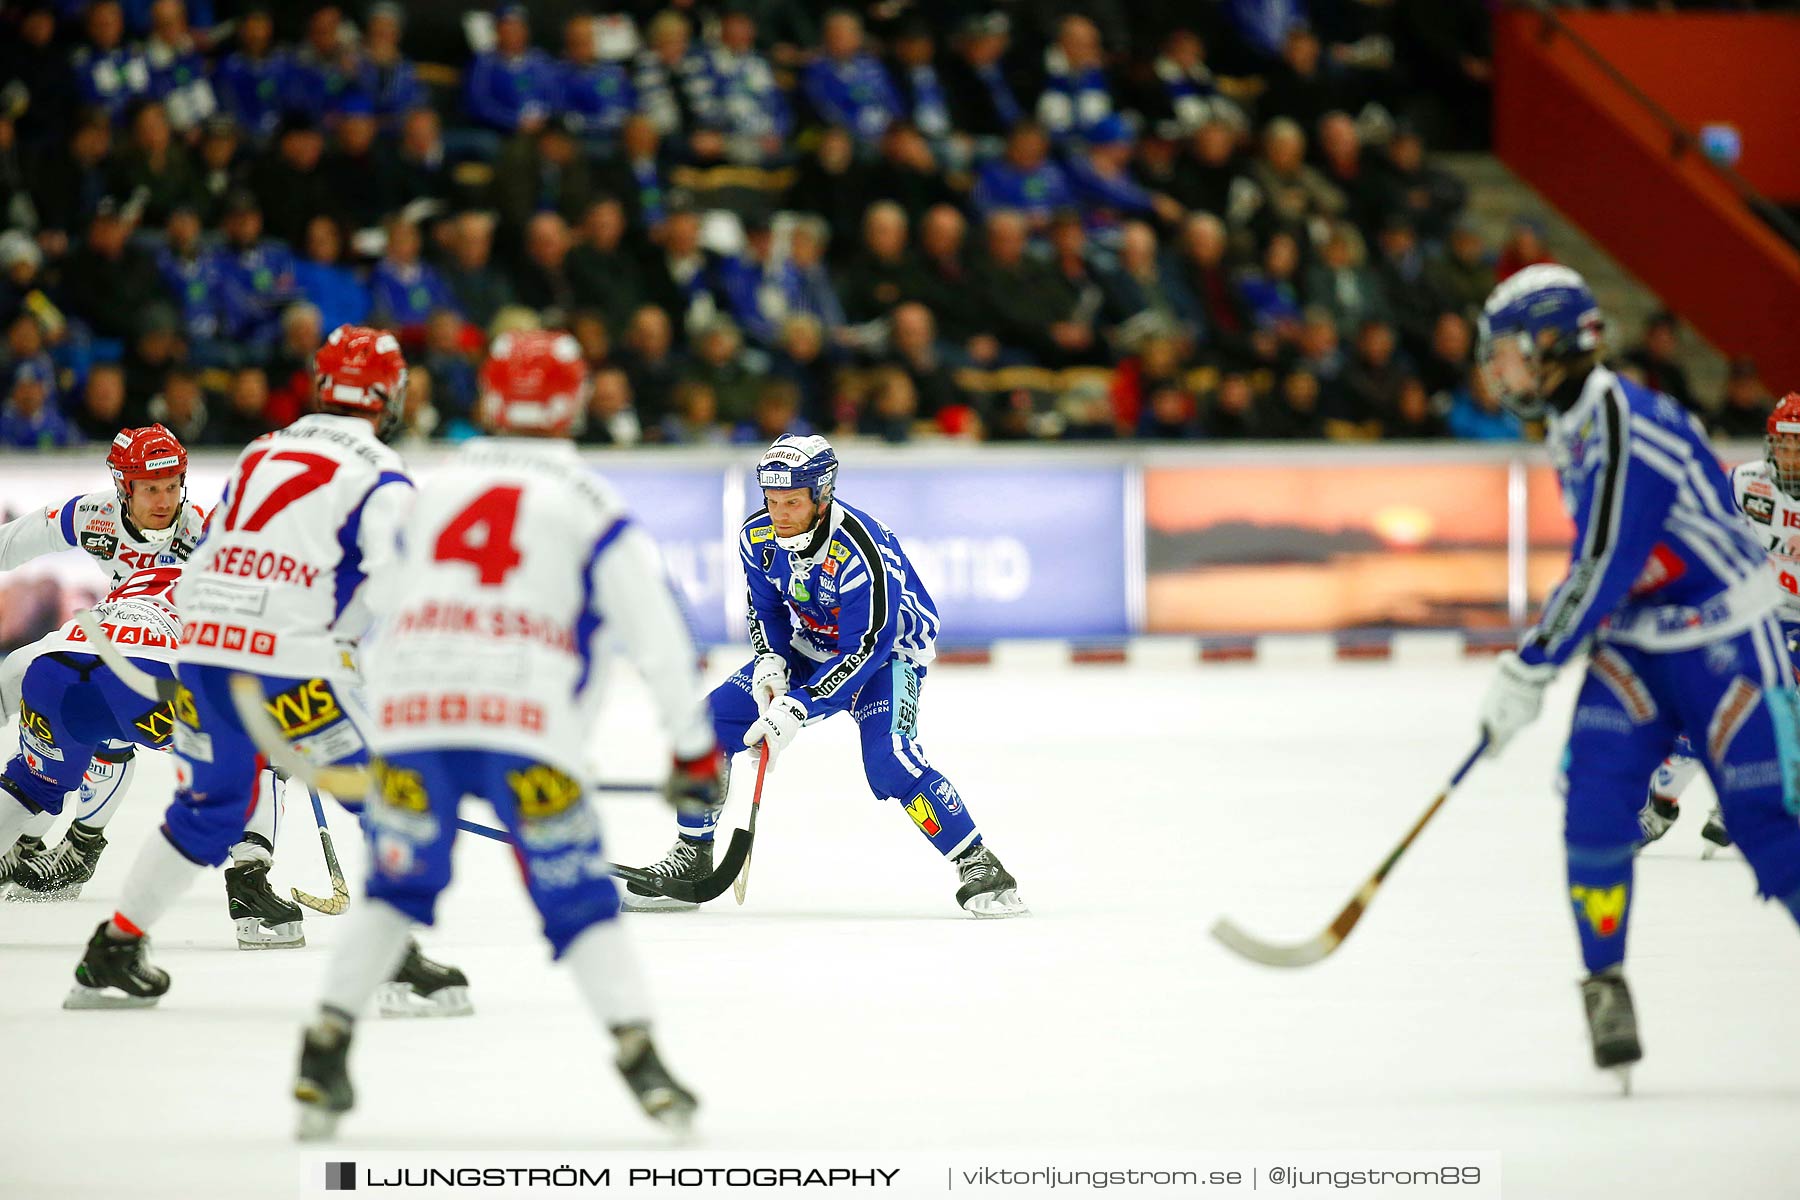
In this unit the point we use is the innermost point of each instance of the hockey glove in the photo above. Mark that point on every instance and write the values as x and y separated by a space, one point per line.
1513 699
779 725
768 680
696 786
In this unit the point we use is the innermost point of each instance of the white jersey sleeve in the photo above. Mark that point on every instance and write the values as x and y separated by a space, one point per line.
40 531
95 525
632 597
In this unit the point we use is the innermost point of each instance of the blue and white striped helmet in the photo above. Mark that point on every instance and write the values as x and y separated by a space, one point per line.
799 462
1545 311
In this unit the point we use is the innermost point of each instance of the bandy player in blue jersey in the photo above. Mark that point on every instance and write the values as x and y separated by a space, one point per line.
1670 595
840 622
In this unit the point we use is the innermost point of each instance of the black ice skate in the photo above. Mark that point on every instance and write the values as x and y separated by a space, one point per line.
1715 834
988 889
1655 818
264 920
116 973
23 849
423 988
322 1085
662 1099
1612 1023
690 859
58 874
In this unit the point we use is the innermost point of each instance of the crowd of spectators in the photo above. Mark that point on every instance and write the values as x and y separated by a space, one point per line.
1043 220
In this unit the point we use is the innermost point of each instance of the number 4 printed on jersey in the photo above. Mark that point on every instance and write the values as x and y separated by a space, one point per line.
482 535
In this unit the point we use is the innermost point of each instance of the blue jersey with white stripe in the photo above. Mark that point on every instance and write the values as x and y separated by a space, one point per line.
1662 559
851 598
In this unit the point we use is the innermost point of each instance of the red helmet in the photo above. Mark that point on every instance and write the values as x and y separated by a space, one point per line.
360 371
1784 424
533 382
149 452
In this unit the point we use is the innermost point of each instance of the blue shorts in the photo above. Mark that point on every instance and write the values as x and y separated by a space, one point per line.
70 705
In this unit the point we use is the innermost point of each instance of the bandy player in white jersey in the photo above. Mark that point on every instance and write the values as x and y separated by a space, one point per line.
482 682
80 725
144 522
1768 492
275 589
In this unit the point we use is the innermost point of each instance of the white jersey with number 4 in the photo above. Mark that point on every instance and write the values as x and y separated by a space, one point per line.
1775 516
515 556
278 586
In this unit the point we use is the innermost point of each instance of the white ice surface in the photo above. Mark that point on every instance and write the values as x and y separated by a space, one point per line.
849 1005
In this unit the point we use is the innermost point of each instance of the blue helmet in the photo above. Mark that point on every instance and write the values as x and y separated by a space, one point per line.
1542 312
799 462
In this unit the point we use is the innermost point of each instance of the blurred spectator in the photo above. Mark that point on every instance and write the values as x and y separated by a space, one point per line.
892 408
177 72
513 87
1347 168
108 280
109 73
1524 247
25 354
419 417
324 70
1271 294
983 101
1401 270
244 415
695 419
650 360
603 268
1290 193
1447 46
360 174
924 102
424 168
832 183
776 413
1231 414
611 419
290 185
801 361
718 363
1744 412
258 276
637 178
1340 282
1169 413
684 277
589 330
596 96
1210 176
540 173
149 357
1446 365
181 406
1071 263
1462 275
949 287
1183 95
66 187
666 72
736 97
386 79
480 288
878 276
251 82
1414 419
324 279
1031 310
1141 295
403 291
42 69
1428 196
1476 414
1373 378
1263 25
807 286
22 283
847 86
1076 95
302 333
1300 87
1295 412
101 413
542 280
153 169
908 171
192 276
1025 181
221 170
28 421
1100 175
1208 277
913 348
454 383
1658 357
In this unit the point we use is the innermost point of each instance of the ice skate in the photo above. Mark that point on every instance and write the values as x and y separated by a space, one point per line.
322 1085
116 973
264 920
1655 818
690 859
1716 836
423 988
22 850
663 1099
988 889
58 873
1612 1023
